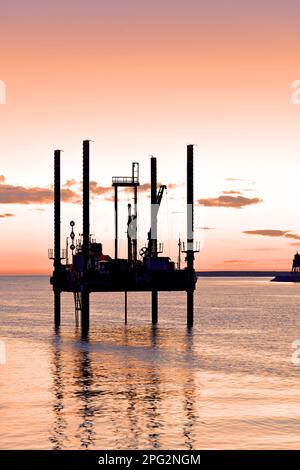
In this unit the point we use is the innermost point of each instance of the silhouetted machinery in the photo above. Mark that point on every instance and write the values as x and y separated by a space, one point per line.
296 263
93 271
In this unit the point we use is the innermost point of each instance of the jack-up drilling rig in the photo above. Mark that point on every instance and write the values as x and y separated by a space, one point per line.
91 270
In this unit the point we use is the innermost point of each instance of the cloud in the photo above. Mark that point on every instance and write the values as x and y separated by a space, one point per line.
267 232
234 179
111 198
3 216
95 189
293 235
67 195
174 185
240 180
143 188
236 261
10 194
231 192
236 202
273 233
295 244
107 191
99 190
70 183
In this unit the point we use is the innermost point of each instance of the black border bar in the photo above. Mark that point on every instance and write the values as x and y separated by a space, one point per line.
143 458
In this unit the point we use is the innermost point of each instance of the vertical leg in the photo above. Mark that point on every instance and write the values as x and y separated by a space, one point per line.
85 312
57 307
190 308
134 241
116 222
125 307
57 254
154 295
190 236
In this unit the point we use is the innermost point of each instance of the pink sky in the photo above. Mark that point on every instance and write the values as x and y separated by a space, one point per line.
141 79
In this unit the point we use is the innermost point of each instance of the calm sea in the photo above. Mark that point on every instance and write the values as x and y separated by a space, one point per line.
230 383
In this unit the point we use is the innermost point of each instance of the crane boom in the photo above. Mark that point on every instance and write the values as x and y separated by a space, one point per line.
159 196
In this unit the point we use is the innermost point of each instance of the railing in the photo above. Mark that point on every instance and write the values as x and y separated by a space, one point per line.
125 179
51 253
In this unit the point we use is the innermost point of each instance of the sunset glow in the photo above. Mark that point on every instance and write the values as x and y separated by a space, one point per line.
144 79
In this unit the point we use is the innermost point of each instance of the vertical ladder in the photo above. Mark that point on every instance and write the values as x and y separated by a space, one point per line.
78 306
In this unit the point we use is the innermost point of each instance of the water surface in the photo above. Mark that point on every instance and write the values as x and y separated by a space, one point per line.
228 383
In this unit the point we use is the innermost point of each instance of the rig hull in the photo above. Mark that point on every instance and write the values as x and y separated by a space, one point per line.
130 281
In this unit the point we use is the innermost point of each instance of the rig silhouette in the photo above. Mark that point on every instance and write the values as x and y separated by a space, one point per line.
92 271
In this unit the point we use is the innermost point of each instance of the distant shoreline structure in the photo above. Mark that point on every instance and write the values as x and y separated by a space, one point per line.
293 275
241 273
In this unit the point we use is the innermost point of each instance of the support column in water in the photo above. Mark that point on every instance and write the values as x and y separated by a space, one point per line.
57 249
85 313
153 234
190 236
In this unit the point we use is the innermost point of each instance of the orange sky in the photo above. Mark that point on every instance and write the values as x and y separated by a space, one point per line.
143 79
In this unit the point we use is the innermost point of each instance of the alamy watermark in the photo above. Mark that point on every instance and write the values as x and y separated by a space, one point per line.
2 92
